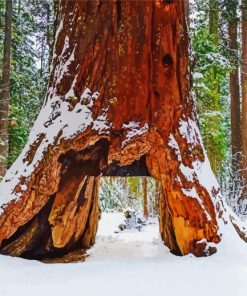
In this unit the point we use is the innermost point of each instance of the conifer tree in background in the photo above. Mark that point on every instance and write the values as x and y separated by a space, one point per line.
145 197
32 31
215 42
4 91
210 81
244 89
214 21
215 87
232 16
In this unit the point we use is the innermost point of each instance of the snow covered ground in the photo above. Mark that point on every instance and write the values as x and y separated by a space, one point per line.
130 263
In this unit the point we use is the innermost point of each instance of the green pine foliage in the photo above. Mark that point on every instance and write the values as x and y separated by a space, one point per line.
211 85
29 66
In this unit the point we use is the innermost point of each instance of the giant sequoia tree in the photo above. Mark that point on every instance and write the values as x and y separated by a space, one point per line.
118 103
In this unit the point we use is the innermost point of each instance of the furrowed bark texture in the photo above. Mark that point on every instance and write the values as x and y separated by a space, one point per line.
118 103
234 87
244 89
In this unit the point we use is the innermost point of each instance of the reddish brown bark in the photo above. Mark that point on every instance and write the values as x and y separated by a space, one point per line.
136 117
234 88
244 89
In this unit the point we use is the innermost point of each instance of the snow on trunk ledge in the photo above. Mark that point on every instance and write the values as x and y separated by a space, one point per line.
54 117
133 129
200 171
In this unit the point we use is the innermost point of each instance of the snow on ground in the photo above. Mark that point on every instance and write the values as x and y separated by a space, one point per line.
130 263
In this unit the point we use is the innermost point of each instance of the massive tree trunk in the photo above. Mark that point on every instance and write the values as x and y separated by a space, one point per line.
118 103
4 91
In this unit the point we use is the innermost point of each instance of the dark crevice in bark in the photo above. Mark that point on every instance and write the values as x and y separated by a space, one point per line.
119 9
34 246
138 169
29 157
167 60
34 239
92 161
81 243
179 75
88 161
39 246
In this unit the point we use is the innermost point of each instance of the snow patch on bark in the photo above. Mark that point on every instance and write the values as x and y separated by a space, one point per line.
12 178
65 60
59 29
133 129
102 124
174 145
199 171
189 131
193 194
61 118
61 71
202 173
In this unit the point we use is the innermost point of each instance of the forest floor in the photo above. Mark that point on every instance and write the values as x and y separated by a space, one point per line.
130 263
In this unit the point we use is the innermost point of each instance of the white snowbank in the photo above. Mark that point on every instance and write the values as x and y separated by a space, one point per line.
131 263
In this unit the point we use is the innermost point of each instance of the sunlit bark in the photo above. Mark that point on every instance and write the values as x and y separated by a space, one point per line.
118 103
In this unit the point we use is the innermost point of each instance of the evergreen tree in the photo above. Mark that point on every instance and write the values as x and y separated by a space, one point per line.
31 52
210 76
5 86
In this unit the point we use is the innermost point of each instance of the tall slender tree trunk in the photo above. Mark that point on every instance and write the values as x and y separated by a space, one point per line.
234 83
214 32
244 91
48 30
145 197
157 197
4 92
214 20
